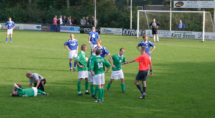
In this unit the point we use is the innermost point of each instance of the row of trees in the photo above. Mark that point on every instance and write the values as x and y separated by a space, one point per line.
109 14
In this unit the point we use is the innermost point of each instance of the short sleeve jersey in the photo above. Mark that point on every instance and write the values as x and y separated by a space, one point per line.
10 24
148 44
90 59
98 65
25 92
35 77
93 37
82 61
72 44
117 61
104 51
144 62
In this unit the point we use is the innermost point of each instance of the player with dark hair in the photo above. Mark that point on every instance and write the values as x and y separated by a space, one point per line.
98 64
155 26
144 63
117 72
82 70
29 92
10 26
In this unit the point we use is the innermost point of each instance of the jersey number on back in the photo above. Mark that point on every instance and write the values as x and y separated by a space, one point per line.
93 36
100 65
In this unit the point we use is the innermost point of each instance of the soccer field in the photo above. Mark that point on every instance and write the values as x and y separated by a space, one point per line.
182 84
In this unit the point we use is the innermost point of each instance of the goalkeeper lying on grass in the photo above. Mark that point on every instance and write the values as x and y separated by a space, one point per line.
29 92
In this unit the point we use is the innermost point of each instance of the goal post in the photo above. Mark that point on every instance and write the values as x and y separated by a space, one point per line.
191 18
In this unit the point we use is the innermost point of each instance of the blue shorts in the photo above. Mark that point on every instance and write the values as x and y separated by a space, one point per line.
142 75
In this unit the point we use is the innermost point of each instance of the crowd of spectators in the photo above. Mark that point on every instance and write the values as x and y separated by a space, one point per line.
69 21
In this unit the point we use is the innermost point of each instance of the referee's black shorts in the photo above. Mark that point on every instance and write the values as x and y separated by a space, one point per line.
142 75
154 31
41 85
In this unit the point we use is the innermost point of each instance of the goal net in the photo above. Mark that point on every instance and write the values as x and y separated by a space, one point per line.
195 21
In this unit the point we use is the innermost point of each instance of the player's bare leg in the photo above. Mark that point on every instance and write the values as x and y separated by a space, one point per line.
109 85
86 87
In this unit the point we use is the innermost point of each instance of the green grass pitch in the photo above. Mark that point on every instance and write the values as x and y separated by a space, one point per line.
183 83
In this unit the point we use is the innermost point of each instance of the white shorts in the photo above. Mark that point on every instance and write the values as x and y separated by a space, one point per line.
35 91
99 79
90 77
72 54
9 31
92 46
117 74
83 74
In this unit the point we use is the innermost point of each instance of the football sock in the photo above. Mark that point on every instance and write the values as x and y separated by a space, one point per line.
86 86
75 64
123 87
70 64
79 87
139 87
96 90
157 38
144 89
92 89
109 85
10 39
154 38
6 39
100 94
91 52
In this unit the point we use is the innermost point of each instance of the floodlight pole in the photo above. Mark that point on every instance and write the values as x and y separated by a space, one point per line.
170 23
214 19
131 14
95 15
203 29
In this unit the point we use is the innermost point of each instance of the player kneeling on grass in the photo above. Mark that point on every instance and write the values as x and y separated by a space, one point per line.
82 69
90 79
98 64
29 92
117 72
37 79
144 63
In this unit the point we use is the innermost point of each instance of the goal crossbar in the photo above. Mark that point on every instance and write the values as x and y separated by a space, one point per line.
165 11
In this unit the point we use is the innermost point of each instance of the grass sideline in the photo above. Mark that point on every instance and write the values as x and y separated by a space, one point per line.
182 84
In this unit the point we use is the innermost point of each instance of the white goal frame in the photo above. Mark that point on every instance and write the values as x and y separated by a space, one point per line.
144 11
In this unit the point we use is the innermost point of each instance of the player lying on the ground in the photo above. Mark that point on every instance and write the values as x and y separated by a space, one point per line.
10 26
90 77
29 92
98 64
117 72
144 63
37 79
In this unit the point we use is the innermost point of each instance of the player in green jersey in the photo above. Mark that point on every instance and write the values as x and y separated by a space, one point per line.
29 92
90 77
82 69
98 64
117 72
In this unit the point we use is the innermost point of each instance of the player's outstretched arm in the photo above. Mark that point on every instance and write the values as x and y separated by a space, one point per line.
128 62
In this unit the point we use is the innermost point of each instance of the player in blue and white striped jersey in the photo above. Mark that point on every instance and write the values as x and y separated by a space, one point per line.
72 46
10 26
104 52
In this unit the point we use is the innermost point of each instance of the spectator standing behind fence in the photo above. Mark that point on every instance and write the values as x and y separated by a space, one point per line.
87 21
55 23
181 26
68 21
83 21
64 20
75 22
60 20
